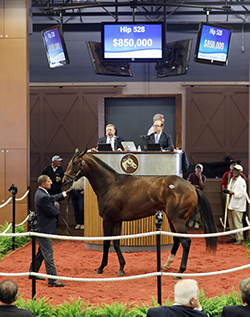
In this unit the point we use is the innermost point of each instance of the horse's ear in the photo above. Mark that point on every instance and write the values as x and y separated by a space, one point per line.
83 152
76 150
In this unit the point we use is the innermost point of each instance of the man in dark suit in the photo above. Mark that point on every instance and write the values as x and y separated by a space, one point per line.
47 209
240 311
114 140
161 137
186 293
8 296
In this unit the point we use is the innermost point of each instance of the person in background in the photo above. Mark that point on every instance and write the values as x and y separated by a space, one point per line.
159 136
198 180
8 296
237 190
112 138
240 311
77 198
157 116
47 209
226 179
186 297
56 173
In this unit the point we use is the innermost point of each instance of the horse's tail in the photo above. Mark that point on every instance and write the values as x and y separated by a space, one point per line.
207 219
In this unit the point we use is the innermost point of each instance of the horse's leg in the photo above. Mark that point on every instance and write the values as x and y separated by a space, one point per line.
172 254
106 245
186 246
107 230
174 249
116 232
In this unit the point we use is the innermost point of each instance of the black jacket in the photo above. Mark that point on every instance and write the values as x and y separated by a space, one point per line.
165 141
55 186
236 311
117 143
175 311
46 211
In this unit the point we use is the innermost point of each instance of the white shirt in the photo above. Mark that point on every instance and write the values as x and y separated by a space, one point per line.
112 142
238 200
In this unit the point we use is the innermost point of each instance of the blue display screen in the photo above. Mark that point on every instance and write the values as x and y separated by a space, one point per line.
132 41
54 47
213 44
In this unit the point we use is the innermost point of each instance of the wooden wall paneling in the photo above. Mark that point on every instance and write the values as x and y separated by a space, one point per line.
2 177
2 19
16 18
217 124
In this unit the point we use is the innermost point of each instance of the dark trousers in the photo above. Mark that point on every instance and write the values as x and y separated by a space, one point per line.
77 201
45 252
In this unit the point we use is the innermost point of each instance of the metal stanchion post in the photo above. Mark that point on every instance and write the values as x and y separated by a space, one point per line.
13 188
33 223
158 223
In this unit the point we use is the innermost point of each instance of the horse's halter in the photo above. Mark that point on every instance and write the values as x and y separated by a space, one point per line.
73 177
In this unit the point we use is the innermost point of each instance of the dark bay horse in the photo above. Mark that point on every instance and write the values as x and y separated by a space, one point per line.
125 197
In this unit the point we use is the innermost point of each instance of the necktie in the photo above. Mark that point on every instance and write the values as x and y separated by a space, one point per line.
156 139
109 140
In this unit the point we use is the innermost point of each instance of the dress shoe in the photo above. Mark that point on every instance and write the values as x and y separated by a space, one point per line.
55 283
38 278
240 242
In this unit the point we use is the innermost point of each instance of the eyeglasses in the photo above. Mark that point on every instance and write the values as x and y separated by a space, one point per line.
158 126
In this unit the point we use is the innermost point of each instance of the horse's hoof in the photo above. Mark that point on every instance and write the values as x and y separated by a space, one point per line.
120 273
166 267
99 271
177 278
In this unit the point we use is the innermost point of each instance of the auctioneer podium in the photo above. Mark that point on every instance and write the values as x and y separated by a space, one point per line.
139 164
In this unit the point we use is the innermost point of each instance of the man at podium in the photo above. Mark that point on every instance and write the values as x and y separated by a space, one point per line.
159 136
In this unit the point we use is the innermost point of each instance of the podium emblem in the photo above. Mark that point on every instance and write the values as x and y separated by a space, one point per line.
129 164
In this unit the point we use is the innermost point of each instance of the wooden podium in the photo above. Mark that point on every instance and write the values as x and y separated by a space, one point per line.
148 164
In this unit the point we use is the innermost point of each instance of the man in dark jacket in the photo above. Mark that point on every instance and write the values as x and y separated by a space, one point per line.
8 296
186 293
112 138
47 209
240 311
56 173
161 137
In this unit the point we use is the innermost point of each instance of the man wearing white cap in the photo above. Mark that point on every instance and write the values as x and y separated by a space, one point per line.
237 189
55 173
198 180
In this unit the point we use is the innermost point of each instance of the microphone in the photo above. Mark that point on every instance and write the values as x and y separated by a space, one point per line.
110 134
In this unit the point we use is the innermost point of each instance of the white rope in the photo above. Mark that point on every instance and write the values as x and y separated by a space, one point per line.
127 278
7 201
17 225
18 199
137 235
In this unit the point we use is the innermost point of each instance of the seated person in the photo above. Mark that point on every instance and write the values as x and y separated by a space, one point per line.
157 116
8 296
112 138
244 310
186 293
161 137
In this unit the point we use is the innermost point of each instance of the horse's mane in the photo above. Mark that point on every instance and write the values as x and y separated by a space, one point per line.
103 164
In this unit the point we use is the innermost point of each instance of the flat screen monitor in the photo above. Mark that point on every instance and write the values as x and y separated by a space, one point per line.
55 46
154 147
104 147
176 62
106 68
135 42
212 46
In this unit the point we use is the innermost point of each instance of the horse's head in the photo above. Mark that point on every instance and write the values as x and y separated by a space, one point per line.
75 167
